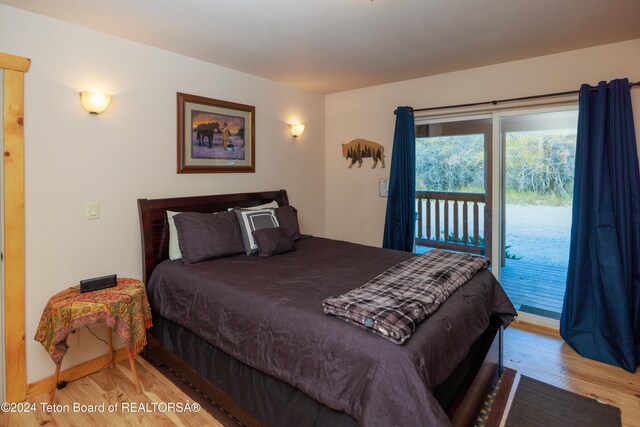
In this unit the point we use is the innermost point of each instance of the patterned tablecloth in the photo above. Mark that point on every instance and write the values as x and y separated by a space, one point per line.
124 308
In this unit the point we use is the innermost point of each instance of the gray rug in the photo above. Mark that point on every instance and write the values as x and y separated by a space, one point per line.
540 311
536 404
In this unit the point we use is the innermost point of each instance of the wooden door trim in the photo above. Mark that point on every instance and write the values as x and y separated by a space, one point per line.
13 204
13 62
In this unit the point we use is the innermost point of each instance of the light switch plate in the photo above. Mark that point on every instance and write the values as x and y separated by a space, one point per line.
384 187
93 210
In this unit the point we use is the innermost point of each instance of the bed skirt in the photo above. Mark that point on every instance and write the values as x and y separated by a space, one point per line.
258 399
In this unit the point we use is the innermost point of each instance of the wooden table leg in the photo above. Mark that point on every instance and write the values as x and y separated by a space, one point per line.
54 385
134 372
111 352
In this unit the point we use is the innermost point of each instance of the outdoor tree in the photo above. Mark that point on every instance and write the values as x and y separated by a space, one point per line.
539 166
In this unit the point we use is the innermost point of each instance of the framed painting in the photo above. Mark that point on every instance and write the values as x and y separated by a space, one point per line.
215 136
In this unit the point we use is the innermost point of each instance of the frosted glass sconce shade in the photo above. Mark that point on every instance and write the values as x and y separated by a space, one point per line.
296 130
95 103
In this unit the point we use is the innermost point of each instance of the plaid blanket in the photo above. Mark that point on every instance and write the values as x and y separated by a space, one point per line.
395 302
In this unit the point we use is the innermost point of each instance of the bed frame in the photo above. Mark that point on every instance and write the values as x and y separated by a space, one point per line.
460 395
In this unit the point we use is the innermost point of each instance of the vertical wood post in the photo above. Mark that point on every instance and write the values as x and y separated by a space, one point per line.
465 223
13 157
475 223
446 220
428 218
437 233
420 218
455 221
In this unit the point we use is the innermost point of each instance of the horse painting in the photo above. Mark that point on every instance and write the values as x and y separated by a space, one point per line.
206 131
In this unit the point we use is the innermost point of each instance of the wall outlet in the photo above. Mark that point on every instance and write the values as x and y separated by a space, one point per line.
93 210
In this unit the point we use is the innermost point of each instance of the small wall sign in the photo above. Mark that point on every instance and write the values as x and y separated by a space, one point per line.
384 187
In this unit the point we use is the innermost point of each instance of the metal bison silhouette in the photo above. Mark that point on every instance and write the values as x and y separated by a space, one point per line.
358 149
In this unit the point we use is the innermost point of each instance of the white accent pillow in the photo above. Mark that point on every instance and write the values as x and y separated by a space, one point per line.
174 245
270 205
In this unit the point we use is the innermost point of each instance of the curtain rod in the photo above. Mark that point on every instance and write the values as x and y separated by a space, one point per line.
522 98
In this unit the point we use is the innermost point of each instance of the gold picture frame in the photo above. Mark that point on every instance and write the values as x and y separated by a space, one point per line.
215 136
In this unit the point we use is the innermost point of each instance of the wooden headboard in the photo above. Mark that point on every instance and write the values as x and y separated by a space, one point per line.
154 227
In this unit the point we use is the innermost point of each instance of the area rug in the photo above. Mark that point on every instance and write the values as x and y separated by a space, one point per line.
540 312
520 401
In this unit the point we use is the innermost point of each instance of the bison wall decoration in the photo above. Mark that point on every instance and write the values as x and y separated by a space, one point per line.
358 149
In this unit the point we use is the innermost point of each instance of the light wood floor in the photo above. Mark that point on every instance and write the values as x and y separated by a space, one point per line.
541 354
111 386
536 352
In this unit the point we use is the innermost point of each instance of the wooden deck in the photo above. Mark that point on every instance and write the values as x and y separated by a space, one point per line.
534 288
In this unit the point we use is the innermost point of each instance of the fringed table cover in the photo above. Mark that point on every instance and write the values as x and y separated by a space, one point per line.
124 308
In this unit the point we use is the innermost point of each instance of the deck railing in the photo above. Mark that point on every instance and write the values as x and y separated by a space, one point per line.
437 227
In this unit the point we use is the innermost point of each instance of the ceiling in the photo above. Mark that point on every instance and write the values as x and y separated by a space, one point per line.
328 46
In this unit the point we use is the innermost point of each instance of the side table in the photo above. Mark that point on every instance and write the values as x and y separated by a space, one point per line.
124 308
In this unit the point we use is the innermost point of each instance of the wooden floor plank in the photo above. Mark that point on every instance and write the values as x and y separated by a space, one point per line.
521 298
541 354
536 285
114 386
560 357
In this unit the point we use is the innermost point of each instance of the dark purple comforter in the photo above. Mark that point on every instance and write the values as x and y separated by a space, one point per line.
267 313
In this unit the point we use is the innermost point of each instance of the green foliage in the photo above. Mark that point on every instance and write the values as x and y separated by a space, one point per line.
539 166
469 239
540 163
531 198
509 255
507 252
450 163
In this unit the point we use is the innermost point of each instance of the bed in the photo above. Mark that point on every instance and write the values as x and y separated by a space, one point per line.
250 332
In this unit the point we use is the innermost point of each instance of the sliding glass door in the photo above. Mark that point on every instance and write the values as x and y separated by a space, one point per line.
538 161
501 185
453 192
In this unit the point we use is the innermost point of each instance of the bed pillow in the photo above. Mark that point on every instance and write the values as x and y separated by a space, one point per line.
288 219
204 236
273 241
270 205
251 220
174 245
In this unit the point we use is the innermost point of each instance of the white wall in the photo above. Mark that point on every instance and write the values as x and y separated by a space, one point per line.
355 212
129 152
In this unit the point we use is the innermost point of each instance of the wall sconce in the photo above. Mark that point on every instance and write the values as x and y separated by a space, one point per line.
296 130
95 103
